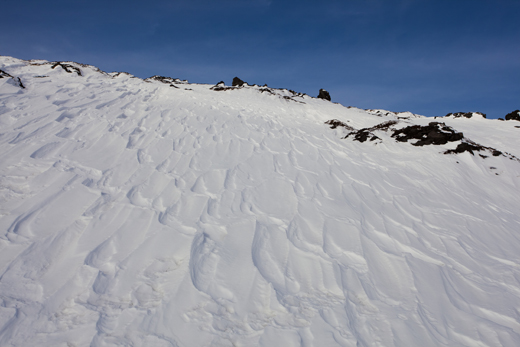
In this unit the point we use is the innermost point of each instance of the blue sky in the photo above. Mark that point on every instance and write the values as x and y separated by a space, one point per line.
429 57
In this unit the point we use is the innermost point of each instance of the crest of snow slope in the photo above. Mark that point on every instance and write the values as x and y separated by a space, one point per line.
134 213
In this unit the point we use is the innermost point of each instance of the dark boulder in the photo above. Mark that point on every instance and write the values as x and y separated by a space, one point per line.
324 95
237 82
434 133
515 115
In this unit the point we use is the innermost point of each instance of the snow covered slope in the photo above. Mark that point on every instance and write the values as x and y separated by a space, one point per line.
163 213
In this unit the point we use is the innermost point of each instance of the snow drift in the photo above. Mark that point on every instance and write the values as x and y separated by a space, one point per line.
164 213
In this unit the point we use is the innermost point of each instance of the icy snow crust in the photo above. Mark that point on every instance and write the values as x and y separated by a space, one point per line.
134 213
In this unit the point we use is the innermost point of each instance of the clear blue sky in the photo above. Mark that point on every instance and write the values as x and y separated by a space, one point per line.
429 57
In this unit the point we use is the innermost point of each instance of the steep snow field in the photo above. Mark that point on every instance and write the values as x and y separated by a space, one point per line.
163 213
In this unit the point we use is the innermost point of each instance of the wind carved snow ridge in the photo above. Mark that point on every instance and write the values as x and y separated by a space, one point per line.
143 215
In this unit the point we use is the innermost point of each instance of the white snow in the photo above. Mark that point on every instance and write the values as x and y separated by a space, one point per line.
134 213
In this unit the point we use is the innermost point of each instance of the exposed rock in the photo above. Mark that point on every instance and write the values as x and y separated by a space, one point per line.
237 82
15 80
220 86
334 123
167 80
515 115
472 147
117 74
434 133
383 126
19 82
398 115
67 67
465 114
469 147
4 74
324 94
364 134
266 90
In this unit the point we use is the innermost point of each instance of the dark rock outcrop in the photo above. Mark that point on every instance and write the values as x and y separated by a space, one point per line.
266 90
237 82
67 67
220 86
324 95
434 133
465 114
471 147
334 123
19 82
15 80
4 74
166 80
364 134
515 115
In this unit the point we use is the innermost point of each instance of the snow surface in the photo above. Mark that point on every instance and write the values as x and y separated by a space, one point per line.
149 213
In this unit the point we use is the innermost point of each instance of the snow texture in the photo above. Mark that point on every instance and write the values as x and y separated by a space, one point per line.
137 214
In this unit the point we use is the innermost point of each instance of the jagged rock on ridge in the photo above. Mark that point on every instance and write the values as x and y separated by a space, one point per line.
167 80
323 94
465 114
67 67
515 115
237 82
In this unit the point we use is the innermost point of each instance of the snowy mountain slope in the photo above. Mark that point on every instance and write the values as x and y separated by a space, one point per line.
163 213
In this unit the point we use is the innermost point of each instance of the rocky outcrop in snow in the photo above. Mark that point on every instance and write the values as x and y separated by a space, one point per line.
323 94
515 115
465 114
